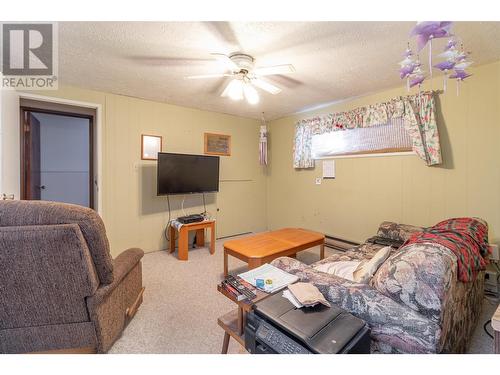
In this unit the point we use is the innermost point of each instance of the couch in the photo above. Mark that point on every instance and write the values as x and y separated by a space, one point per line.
414 303
60 290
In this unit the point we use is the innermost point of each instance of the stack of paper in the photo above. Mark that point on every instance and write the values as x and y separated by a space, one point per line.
279 277
289 296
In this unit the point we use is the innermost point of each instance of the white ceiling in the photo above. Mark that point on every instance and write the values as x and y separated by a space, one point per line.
333 60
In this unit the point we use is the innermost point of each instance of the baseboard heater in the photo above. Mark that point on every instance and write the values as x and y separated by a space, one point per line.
233 235
338 243
331 242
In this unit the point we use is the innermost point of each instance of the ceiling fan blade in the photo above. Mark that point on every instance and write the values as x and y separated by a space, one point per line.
219 75
168 60
266 86
224 32
230 64
277 69
225 93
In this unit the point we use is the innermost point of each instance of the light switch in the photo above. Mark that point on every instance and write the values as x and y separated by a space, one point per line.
329 168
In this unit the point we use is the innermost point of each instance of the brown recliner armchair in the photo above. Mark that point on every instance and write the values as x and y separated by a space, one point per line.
60 290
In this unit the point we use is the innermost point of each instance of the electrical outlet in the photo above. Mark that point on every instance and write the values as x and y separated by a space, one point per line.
318 180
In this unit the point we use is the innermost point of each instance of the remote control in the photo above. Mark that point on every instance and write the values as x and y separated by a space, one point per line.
234 282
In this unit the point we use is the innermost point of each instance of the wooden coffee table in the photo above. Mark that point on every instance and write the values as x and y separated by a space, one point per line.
264 247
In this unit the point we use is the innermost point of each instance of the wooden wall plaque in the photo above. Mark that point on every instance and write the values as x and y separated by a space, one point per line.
217 144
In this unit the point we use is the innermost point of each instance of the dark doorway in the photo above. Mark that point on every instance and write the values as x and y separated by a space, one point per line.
57 156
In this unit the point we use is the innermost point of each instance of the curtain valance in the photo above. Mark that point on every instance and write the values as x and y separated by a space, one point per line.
416 111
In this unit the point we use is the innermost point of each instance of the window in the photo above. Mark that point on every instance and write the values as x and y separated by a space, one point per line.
388 138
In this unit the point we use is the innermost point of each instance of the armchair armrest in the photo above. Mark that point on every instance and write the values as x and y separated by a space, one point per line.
124 262
122 265
110 306
391 323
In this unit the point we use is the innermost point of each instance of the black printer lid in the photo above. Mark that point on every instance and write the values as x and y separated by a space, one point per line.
321 328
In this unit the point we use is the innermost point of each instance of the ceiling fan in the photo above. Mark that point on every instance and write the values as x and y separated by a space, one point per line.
246 77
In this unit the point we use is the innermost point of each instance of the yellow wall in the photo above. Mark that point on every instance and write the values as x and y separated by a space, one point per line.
133 214
365 192
369 190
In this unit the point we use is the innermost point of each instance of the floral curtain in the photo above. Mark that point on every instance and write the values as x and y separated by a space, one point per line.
417 111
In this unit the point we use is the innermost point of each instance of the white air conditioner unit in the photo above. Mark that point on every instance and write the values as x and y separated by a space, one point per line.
494 256
492 274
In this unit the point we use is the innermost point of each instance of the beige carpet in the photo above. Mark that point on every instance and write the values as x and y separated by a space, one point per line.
181 306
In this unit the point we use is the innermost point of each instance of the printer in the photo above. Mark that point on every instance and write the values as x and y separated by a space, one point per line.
276 326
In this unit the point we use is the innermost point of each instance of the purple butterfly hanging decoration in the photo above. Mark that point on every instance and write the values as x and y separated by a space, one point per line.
407 66
459 75
417 77
426 31
455 60
450 53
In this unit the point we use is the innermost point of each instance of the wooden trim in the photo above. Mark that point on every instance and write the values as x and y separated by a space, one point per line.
82 350
130 311
23 175
56 112
43 105
381 151
91 162
206 152
142 145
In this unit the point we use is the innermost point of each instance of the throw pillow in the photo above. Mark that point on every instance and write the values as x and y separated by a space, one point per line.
397 232
367 269
342 268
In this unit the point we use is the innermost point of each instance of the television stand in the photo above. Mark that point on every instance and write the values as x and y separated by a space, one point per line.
184 229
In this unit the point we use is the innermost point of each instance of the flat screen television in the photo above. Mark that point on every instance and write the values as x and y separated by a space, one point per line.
187 174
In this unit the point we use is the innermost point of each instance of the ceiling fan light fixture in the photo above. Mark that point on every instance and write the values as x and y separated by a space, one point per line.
251 94
235 89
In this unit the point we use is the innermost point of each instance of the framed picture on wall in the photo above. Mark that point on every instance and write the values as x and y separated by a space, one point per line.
151 145
217 144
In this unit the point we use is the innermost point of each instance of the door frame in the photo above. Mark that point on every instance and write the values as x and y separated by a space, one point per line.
25 176
98 144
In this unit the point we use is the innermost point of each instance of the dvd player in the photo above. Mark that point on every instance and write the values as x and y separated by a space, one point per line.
195 218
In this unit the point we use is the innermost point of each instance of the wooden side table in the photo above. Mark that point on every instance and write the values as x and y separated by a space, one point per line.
233 323
184 237
495 324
